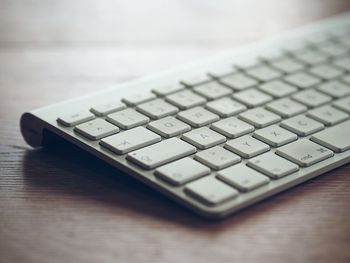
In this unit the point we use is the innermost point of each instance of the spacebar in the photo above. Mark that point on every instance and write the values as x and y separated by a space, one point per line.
336 138
163 152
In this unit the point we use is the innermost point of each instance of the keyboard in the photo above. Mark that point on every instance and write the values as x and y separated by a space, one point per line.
224 133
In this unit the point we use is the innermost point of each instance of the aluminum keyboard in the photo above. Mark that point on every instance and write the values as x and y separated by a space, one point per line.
222 138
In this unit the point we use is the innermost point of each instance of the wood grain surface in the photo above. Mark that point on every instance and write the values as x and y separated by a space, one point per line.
59 204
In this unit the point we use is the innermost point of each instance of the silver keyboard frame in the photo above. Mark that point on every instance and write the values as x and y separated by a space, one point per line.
37 125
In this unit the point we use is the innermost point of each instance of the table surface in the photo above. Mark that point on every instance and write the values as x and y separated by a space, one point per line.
59 204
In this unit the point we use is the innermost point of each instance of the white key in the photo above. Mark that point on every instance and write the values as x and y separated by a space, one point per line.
210 190
167 89
287 65
246 146
169 127
127 119
343 104
197 117
335 89
96 129
252 97
302 125
238 81
286 107
182 171
302 80
333 49
221 71
310 57
335 138
232 127
277 88
138 98
185 99
161 153
195 79
346 79
203 138
263 73
130 140
73 119
328 115
212 90
326 72
243 178
343 63
107 108
275 135
157 109
259 117
311 98
217 158
304 152
272 165
225 107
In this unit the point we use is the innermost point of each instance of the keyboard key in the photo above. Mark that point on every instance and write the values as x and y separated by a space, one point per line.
243 178
127 119
302 80
275 135
232 127
343 104
210 190
222 71
277 88
310 57
73 119
107 108
212 90
225 107
167 89
286 107
335 138
185 99
343 63
304 152
138 98
326 72
157 109
247 146
287 65
328 115
252 97
217 158
259 117
197 117
203 138
169 127
333 49
263 73
130 140
161 153
182 171
96 129
302 125
311 98
238 81
335 89
272 165
195 79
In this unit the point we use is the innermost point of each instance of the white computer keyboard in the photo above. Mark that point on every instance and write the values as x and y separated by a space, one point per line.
226 132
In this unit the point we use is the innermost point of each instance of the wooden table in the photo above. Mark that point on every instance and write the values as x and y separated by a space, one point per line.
61 205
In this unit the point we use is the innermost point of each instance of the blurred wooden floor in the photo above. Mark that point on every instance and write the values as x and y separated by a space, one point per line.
59 207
